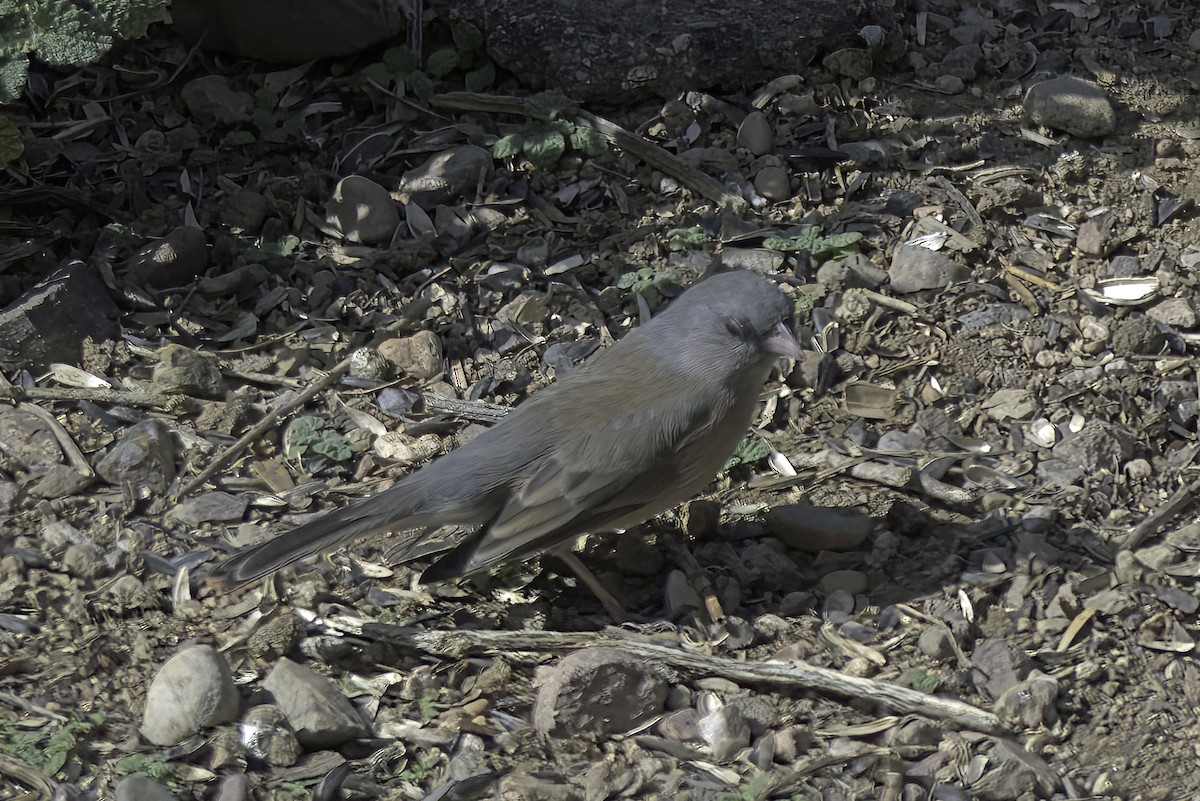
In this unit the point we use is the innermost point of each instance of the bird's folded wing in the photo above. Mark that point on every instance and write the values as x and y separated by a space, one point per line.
634 462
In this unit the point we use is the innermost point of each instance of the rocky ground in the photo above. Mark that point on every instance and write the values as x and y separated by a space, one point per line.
957 557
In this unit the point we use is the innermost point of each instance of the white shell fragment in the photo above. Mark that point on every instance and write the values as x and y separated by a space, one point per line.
71 376
781 464
1043 433
1125 291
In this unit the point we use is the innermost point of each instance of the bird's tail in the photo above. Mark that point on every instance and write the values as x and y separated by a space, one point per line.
372 516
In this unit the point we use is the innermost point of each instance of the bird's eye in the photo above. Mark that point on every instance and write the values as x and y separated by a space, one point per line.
738 328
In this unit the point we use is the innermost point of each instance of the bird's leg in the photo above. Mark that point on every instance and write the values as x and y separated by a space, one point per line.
611 605
697 576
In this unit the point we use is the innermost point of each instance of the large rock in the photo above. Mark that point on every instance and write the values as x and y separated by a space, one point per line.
598 50
194 689
602 50
289 30
50 322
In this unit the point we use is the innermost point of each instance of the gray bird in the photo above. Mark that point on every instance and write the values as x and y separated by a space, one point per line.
636 430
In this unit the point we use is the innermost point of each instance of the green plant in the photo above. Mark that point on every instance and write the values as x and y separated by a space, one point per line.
428 708
420 769
284 246
11 146
49 750
62 34
20 744
810 240
923 681
399 73
466 54
806 302
273 124
655 286
692 238
547 134
146 765
307 437
748 451
757 789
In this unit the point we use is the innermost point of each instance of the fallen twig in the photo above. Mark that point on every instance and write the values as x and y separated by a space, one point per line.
116 397
476 411
1155 520
28 776
262 426
702 184
788 674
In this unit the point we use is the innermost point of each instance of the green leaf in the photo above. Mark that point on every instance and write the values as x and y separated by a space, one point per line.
783 244
467 38
545 149
587 140
442 62
67 36
262 120
301 434
266 99
480 78
809 240
399 59
547 106
840 241
238 139
507 146
749 451
806 302
333 446
379 73
637 280
663 280
922 681
838 246
284 246
13 73
16 34
129 19
692 238
420 85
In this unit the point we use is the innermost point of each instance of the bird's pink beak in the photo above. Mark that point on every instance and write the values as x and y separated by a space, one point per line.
782 342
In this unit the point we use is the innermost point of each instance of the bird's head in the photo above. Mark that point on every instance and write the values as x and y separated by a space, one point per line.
738 319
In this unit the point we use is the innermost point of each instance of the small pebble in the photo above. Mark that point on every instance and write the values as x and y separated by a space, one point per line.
755 133
814 528
363 211
773 183
1175 312
142 788
1073 105
419 356
851 582
937 642
192 690
950 84
318 712
594 693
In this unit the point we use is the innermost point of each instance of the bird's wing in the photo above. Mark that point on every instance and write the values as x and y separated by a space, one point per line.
634 461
